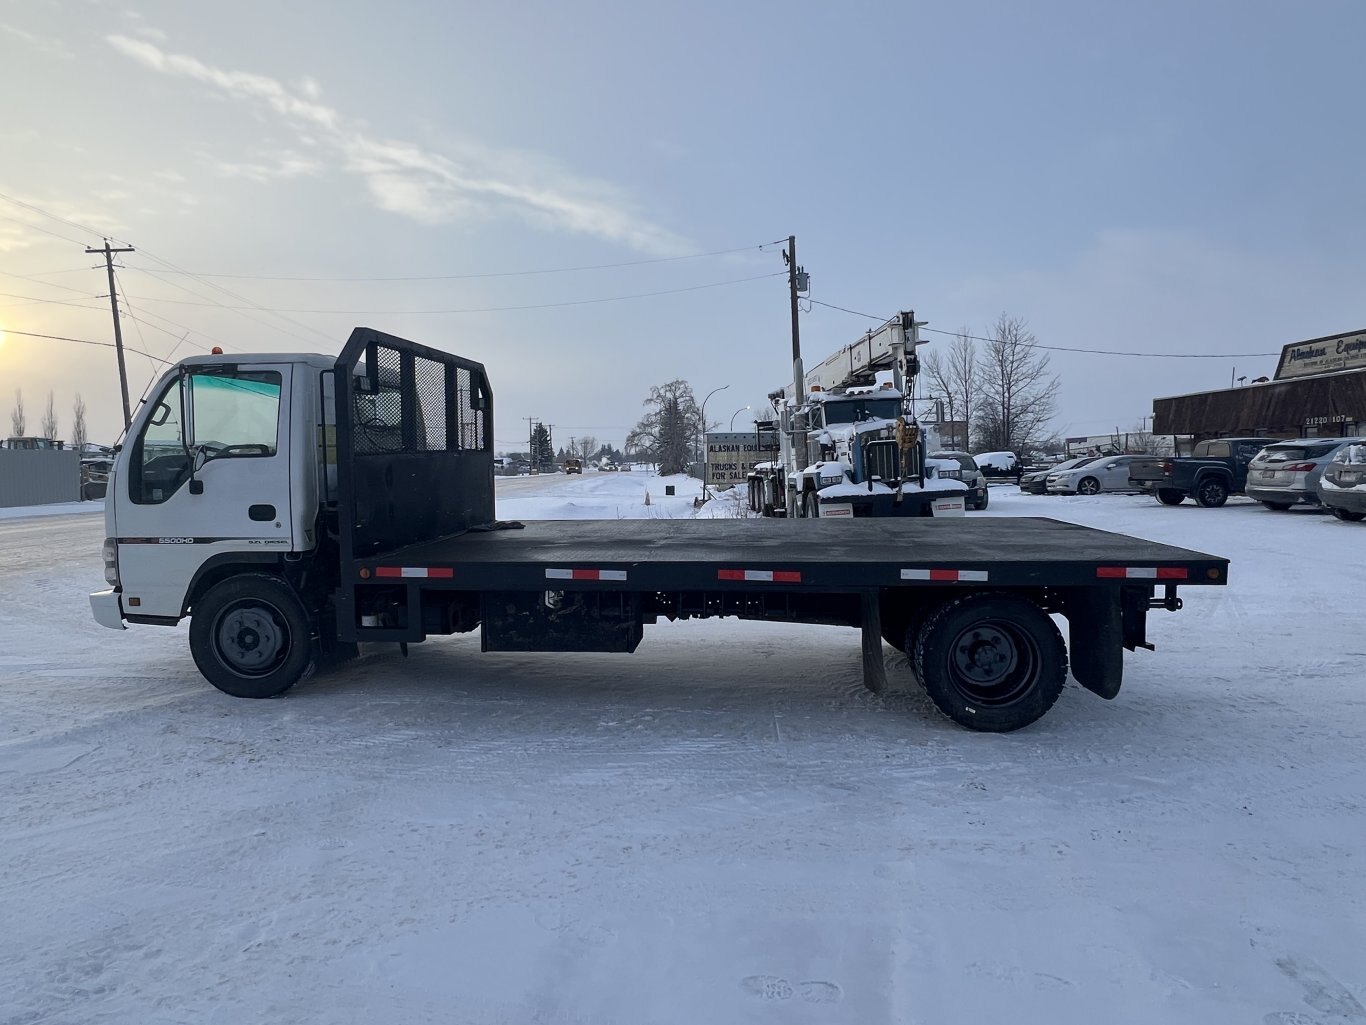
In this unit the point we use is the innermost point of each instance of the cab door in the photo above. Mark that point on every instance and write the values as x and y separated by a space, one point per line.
207 476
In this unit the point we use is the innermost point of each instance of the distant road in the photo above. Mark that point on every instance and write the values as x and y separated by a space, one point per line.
53 542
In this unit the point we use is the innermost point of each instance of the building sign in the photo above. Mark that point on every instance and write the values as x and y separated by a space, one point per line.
1323 356
731 455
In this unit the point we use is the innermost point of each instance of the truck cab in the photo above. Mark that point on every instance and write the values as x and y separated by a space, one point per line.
235 447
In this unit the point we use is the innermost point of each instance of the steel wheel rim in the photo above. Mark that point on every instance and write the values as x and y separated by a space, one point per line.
993 663
251 638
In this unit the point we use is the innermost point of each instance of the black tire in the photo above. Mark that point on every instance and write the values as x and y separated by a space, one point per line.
986 500
811 506
1170 496
1211 493
1088 486
250 636
992 662
753 496
1347 515
1277 506
901 624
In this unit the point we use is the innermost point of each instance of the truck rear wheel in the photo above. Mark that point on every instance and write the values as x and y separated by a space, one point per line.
250 636
992 662
1211 493
1170 496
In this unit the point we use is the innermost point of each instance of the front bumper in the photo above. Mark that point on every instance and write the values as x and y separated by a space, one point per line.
108 609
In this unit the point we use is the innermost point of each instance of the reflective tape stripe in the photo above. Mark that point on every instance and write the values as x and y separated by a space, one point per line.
586 574
1144 572
421 572
952 576
761 576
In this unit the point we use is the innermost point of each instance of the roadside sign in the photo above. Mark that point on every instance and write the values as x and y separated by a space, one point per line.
731 455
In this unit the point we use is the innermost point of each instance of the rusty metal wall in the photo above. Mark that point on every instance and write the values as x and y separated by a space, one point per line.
39 477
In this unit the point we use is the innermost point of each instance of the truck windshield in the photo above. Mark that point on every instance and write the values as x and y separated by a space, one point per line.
860 408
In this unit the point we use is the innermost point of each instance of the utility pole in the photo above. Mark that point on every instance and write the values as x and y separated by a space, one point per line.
530 439
118 331
796 282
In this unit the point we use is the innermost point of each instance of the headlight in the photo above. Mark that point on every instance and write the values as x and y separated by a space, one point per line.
828 481
111 562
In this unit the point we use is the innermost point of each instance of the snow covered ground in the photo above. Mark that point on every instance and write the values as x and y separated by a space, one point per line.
723 827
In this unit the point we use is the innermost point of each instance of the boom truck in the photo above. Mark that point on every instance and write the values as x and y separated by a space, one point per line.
848 442
296 505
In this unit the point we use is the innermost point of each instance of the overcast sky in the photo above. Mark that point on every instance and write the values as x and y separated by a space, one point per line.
1159 177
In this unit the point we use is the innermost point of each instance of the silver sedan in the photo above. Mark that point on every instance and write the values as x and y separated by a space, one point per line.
1109 473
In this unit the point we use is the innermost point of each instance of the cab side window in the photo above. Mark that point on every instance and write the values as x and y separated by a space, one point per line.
201 417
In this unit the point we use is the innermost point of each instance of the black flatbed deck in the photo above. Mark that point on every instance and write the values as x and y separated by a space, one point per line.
843 555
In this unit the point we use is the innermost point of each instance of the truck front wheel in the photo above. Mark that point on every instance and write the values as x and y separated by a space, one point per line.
992 662
250 636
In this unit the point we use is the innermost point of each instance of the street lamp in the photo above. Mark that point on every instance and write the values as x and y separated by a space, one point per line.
734 415
702 430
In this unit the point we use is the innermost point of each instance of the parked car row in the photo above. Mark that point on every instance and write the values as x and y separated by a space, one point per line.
1279 473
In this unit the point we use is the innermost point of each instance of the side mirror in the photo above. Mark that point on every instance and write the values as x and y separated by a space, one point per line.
160 414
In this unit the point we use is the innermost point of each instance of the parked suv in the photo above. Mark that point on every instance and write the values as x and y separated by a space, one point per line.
1288 473
1342 488
971 475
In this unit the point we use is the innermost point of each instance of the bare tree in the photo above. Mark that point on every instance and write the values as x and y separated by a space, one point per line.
79 434
585 447
50 419
953 373
667 433
17 421
1017 396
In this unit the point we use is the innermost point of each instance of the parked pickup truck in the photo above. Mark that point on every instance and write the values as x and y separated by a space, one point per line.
1216 469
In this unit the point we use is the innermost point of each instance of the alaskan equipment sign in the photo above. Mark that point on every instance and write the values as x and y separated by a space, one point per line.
1323 355
731 455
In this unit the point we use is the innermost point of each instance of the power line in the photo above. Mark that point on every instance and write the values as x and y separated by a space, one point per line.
491 274
34 227
1063 348
170 268
37 279
30 300
251 305
84 341
494 309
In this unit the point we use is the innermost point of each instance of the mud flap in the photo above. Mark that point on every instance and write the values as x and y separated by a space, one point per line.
1096 639
874 670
